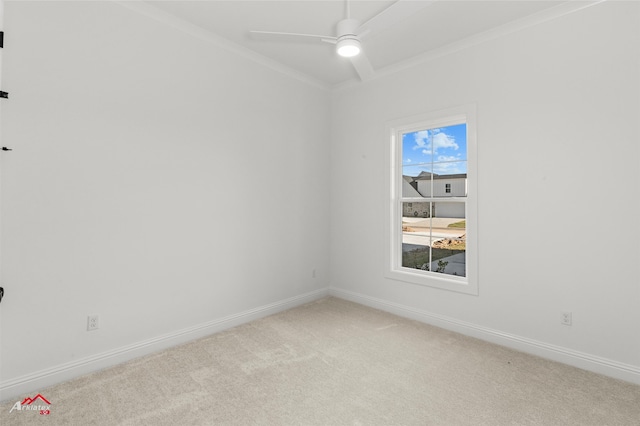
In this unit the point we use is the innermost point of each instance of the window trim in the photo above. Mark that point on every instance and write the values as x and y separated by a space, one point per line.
393 235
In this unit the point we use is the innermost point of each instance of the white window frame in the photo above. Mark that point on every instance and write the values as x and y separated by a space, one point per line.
393 244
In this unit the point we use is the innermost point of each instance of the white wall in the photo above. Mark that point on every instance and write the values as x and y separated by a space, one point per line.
444 209
458 187
129 191
557 103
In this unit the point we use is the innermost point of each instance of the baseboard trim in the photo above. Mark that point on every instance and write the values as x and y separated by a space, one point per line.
42 379
607 367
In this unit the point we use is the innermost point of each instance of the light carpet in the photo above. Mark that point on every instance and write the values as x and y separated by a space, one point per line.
333 362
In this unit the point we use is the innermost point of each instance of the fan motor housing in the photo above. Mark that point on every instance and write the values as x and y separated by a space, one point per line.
347 27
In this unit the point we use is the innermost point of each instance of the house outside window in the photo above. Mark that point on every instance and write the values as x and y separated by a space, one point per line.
432 213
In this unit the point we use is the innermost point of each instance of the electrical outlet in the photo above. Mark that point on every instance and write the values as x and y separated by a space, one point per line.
93 322
566 318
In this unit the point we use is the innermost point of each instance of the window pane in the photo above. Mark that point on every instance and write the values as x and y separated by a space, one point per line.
449 182
434 162
449 245
436 244
416 235
435 145
416 180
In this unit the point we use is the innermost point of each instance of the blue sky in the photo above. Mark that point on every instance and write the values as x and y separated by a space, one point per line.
441 151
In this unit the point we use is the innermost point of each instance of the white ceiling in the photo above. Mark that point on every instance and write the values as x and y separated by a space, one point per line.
439 24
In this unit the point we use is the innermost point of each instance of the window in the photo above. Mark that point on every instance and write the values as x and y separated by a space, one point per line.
432 218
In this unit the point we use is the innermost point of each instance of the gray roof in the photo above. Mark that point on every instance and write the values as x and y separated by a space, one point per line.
409 191
428 176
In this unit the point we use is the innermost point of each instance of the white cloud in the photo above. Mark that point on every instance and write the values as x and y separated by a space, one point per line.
421 139
440 140
447 158
448 168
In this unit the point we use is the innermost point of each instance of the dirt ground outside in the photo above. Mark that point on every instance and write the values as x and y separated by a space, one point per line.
436 222
439 225
415 229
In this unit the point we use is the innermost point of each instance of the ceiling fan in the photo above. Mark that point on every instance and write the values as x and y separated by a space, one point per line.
350 32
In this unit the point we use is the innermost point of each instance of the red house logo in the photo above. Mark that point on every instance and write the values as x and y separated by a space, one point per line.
29 401
37 403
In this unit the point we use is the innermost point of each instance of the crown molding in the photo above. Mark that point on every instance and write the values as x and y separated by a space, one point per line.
196 31
180 24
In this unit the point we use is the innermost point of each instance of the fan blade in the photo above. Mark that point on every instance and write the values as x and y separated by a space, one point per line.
393 14
363 66
294 36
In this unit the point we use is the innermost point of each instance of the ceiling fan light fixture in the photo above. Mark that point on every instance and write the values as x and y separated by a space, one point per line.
348 47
